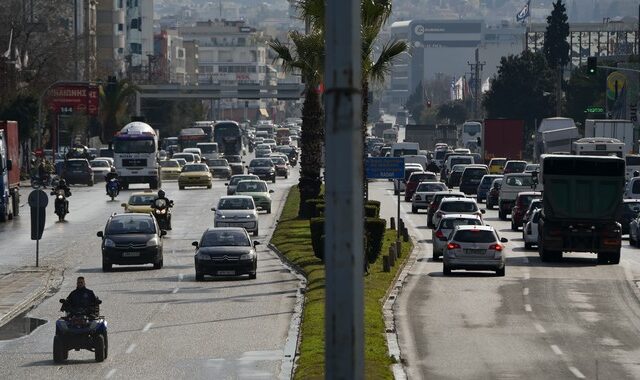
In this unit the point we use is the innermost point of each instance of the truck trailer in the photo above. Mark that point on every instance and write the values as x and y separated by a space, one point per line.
9 170
502 138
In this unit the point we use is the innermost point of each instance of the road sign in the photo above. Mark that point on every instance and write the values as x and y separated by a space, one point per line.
616 81
384 167
594 109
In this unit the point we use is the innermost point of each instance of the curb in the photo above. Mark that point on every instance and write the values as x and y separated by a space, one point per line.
33 298
389 301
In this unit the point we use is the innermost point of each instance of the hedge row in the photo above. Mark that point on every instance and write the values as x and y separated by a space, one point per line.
315 208
374 232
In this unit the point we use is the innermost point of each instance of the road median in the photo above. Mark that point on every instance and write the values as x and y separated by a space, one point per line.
292 237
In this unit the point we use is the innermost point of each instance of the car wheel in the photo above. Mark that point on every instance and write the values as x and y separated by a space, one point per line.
527 245
255 233
106 266
501 215
500 272
632 242
435 256
208 186
199 276
158 264
446 270
90 183
513 226
273 180
414 210
99 348
489 206
180 187
58 350
269 210
252 276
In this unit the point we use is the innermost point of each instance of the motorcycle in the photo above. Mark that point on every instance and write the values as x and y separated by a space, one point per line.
113 188
80 328
47 181
293 160
60 204
162 213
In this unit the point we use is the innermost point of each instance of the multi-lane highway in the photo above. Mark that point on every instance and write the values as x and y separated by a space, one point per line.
162 323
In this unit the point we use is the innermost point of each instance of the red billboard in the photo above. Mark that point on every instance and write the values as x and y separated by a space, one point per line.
74 97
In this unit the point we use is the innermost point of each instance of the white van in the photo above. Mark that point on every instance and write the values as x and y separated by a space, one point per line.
632 164
632 190
455 159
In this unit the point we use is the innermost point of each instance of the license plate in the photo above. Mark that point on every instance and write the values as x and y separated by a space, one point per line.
474 251
226 273
130 254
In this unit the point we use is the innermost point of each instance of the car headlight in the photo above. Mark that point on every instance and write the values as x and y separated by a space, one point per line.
161 211
220 215
109 243
60 197
250 216
153 242
248 256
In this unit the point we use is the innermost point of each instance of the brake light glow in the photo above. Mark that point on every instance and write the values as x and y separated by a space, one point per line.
496 247
439 234
453 246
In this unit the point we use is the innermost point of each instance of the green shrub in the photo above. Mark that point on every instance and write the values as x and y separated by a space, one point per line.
320 209
311 211
371 211
316 225
376 204
374 230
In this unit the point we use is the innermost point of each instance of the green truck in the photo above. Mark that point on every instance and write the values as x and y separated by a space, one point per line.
580 202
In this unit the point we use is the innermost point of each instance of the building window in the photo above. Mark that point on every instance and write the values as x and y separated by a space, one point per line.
119 4
120 27
120 50
135 48
134 23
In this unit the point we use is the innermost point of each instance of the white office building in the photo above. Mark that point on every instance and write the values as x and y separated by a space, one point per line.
139 34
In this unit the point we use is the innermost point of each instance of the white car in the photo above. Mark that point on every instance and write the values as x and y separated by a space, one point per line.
440 234
424 194
457 205
237 211
530 230
400 184
100 168
474 248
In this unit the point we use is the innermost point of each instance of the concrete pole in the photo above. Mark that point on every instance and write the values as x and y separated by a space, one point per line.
344 335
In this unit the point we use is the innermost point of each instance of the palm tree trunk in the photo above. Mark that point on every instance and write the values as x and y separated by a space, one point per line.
311 143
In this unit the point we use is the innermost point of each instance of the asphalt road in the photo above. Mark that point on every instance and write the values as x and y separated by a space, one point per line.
162 323
572 319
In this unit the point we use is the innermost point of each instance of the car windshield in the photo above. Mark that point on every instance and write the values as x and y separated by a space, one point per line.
169 164
526 200
218 163
233 159
140 200
498 161
261 163
131 225
99 164
225 239
76 164
459 168
195 168
449 224
516 166
487 180
519 181
430 187
208 148
278 160
475 236
422 177
461 160
251 187
458 207
235 204
189 157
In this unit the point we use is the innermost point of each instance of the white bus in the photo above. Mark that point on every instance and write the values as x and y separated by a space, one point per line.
598 146
390 136
405 149
135 155
471 130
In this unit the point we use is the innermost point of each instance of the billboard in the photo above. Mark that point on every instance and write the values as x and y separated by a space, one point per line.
74 97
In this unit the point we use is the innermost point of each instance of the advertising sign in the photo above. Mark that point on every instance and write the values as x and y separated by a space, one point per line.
74 97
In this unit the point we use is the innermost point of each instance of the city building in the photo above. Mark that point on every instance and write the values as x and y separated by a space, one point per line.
170 65
192 61
139 40
110 38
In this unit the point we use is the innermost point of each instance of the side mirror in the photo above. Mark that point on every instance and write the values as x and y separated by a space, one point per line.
255 242
123 205
99 301
483 211
163 232
247 167
100 234
226 184
504 240
213 209
271 191
195 244
62 300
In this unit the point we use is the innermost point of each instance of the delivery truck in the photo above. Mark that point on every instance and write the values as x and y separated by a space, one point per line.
502 138
9 170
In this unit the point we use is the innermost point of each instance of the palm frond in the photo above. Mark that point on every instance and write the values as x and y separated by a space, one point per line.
389 53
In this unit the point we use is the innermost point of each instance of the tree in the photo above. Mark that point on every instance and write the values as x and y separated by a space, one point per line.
556 47
454 112
521 90
416 102
114 102
306 56
584 91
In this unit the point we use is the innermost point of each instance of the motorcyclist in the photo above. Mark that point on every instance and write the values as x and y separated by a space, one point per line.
81 298
113 174
62 185
158 202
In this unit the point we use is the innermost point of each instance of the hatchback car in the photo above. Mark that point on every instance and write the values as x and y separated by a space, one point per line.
100 168
263 150
456 206
474 248
530 230
514 166
170 169
236 211
399 185
233 182
440 234
194 175
263 168
494 193
77 170
190 158
424 194
225 251
435 203
259 191
412 183
219 167
523 200
496 165
131 239
485 186
454 176
281 165
235 163
140 202
471 177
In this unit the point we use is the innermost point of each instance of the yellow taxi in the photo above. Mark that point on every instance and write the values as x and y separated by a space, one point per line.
170 169
195 175
496 165
140 201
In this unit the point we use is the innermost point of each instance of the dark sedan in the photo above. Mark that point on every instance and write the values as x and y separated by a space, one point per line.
629 211
263 168
131 239
225 251
235 163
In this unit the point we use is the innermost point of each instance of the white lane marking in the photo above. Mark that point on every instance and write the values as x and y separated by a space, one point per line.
174 291
556 349
539 327
576 372
527 276
525 291
180 277
110 373
147 327
527 307
131 348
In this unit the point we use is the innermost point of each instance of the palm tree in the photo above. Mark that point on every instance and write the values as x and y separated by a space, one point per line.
114 101
307 57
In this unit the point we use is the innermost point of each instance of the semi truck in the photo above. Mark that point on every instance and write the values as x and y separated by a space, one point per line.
559 140
502 138
622 130
9 170
423 134
581 200
379 128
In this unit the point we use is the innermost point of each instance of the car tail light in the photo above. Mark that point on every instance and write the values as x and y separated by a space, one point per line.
453 246
496 247
439 234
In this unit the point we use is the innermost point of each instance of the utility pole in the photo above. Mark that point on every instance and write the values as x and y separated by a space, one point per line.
75 40
344 307
476 70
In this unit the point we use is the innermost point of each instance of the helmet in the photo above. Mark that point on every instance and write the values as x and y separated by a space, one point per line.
113 170
63 182
636 173
160 193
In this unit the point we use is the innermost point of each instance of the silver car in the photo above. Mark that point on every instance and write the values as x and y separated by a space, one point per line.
457 205
474 248
233 182
237 211
440 234
424 194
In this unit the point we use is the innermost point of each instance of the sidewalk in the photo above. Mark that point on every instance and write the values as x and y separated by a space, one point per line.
21 289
